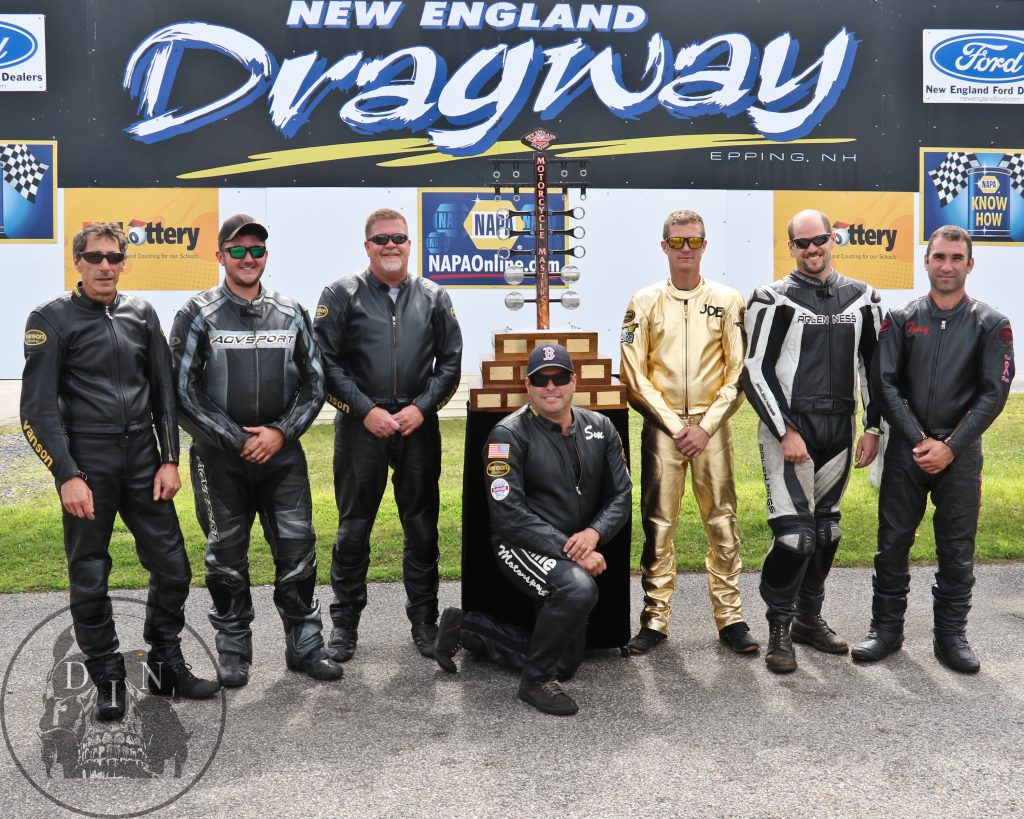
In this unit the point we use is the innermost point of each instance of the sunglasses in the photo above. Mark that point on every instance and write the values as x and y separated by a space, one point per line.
239 251
95 257
676 242
383 238
817 241
559 379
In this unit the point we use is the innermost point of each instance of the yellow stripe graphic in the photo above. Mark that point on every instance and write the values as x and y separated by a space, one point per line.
412 152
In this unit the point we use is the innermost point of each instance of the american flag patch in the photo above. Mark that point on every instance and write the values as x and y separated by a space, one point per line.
497 450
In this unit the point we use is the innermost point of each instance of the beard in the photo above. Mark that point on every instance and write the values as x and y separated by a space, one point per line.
391 264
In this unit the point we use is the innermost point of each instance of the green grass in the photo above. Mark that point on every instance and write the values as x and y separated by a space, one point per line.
32 554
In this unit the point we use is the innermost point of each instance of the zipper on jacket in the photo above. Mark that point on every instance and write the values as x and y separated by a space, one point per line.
828 335
686 355
912 417
935 372
256 353
394 349
117 361
579 460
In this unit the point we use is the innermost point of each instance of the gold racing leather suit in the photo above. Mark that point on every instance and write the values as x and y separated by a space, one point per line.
682 353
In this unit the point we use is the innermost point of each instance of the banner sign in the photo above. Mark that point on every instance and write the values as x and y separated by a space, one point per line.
172 234
346 93
22 52
971 66
978 189
873 233
464 230
28 191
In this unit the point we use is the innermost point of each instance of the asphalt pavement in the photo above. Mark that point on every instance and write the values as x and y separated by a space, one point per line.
689 730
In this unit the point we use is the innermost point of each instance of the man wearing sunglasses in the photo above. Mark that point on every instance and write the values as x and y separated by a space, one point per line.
682 352
558 488
812 336
97 382
249 383
393 358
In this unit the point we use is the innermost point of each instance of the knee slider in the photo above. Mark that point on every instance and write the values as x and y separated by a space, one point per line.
798 541
828 534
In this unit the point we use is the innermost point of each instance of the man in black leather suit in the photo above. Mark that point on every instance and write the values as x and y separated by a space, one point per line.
249 383
97 381
942 374
392 353
558 487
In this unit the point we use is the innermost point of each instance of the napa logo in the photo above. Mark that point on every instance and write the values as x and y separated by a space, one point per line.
988 184
489 224
16 45
987 57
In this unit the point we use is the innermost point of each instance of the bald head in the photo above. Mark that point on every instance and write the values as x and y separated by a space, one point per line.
808 216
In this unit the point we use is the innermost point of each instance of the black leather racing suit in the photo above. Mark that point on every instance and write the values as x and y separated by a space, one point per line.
247 364
810 346
390 354
942 374
543 487
97 381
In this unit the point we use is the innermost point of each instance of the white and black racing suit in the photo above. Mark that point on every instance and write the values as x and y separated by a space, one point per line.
247 364
387 350
97 382
810 346
942 374
544 486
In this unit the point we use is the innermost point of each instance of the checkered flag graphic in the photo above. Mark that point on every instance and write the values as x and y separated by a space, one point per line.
1014 164
22 170
950 178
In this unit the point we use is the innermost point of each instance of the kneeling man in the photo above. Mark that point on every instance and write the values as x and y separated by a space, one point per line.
565 491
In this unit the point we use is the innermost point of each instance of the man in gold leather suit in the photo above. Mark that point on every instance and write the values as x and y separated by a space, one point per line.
682 354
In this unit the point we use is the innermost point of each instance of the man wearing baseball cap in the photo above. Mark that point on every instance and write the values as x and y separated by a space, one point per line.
558 488
249 383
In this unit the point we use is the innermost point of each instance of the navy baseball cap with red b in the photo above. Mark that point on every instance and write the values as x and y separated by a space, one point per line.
548 355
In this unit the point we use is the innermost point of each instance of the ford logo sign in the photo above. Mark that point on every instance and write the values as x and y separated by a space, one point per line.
990 58
16 45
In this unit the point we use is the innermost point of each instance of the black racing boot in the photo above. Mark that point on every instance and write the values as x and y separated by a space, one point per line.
232 670
316 664
811 629
424 635
111 700
780 657
876 646
170 675
548 697
738 637
644 641
342 644
954 652
449 639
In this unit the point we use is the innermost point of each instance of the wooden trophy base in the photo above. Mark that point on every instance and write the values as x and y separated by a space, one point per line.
501 388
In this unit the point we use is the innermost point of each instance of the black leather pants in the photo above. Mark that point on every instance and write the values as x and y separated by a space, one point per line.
229 493
361 463
120 472
564 595
956 493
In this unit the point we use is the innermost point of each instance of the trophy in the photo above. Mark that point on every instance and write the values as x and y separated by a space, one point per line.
502 389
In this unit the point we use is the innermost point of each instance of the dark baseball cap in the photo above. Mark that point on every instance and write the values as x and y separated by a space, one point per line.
548 355
236 224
